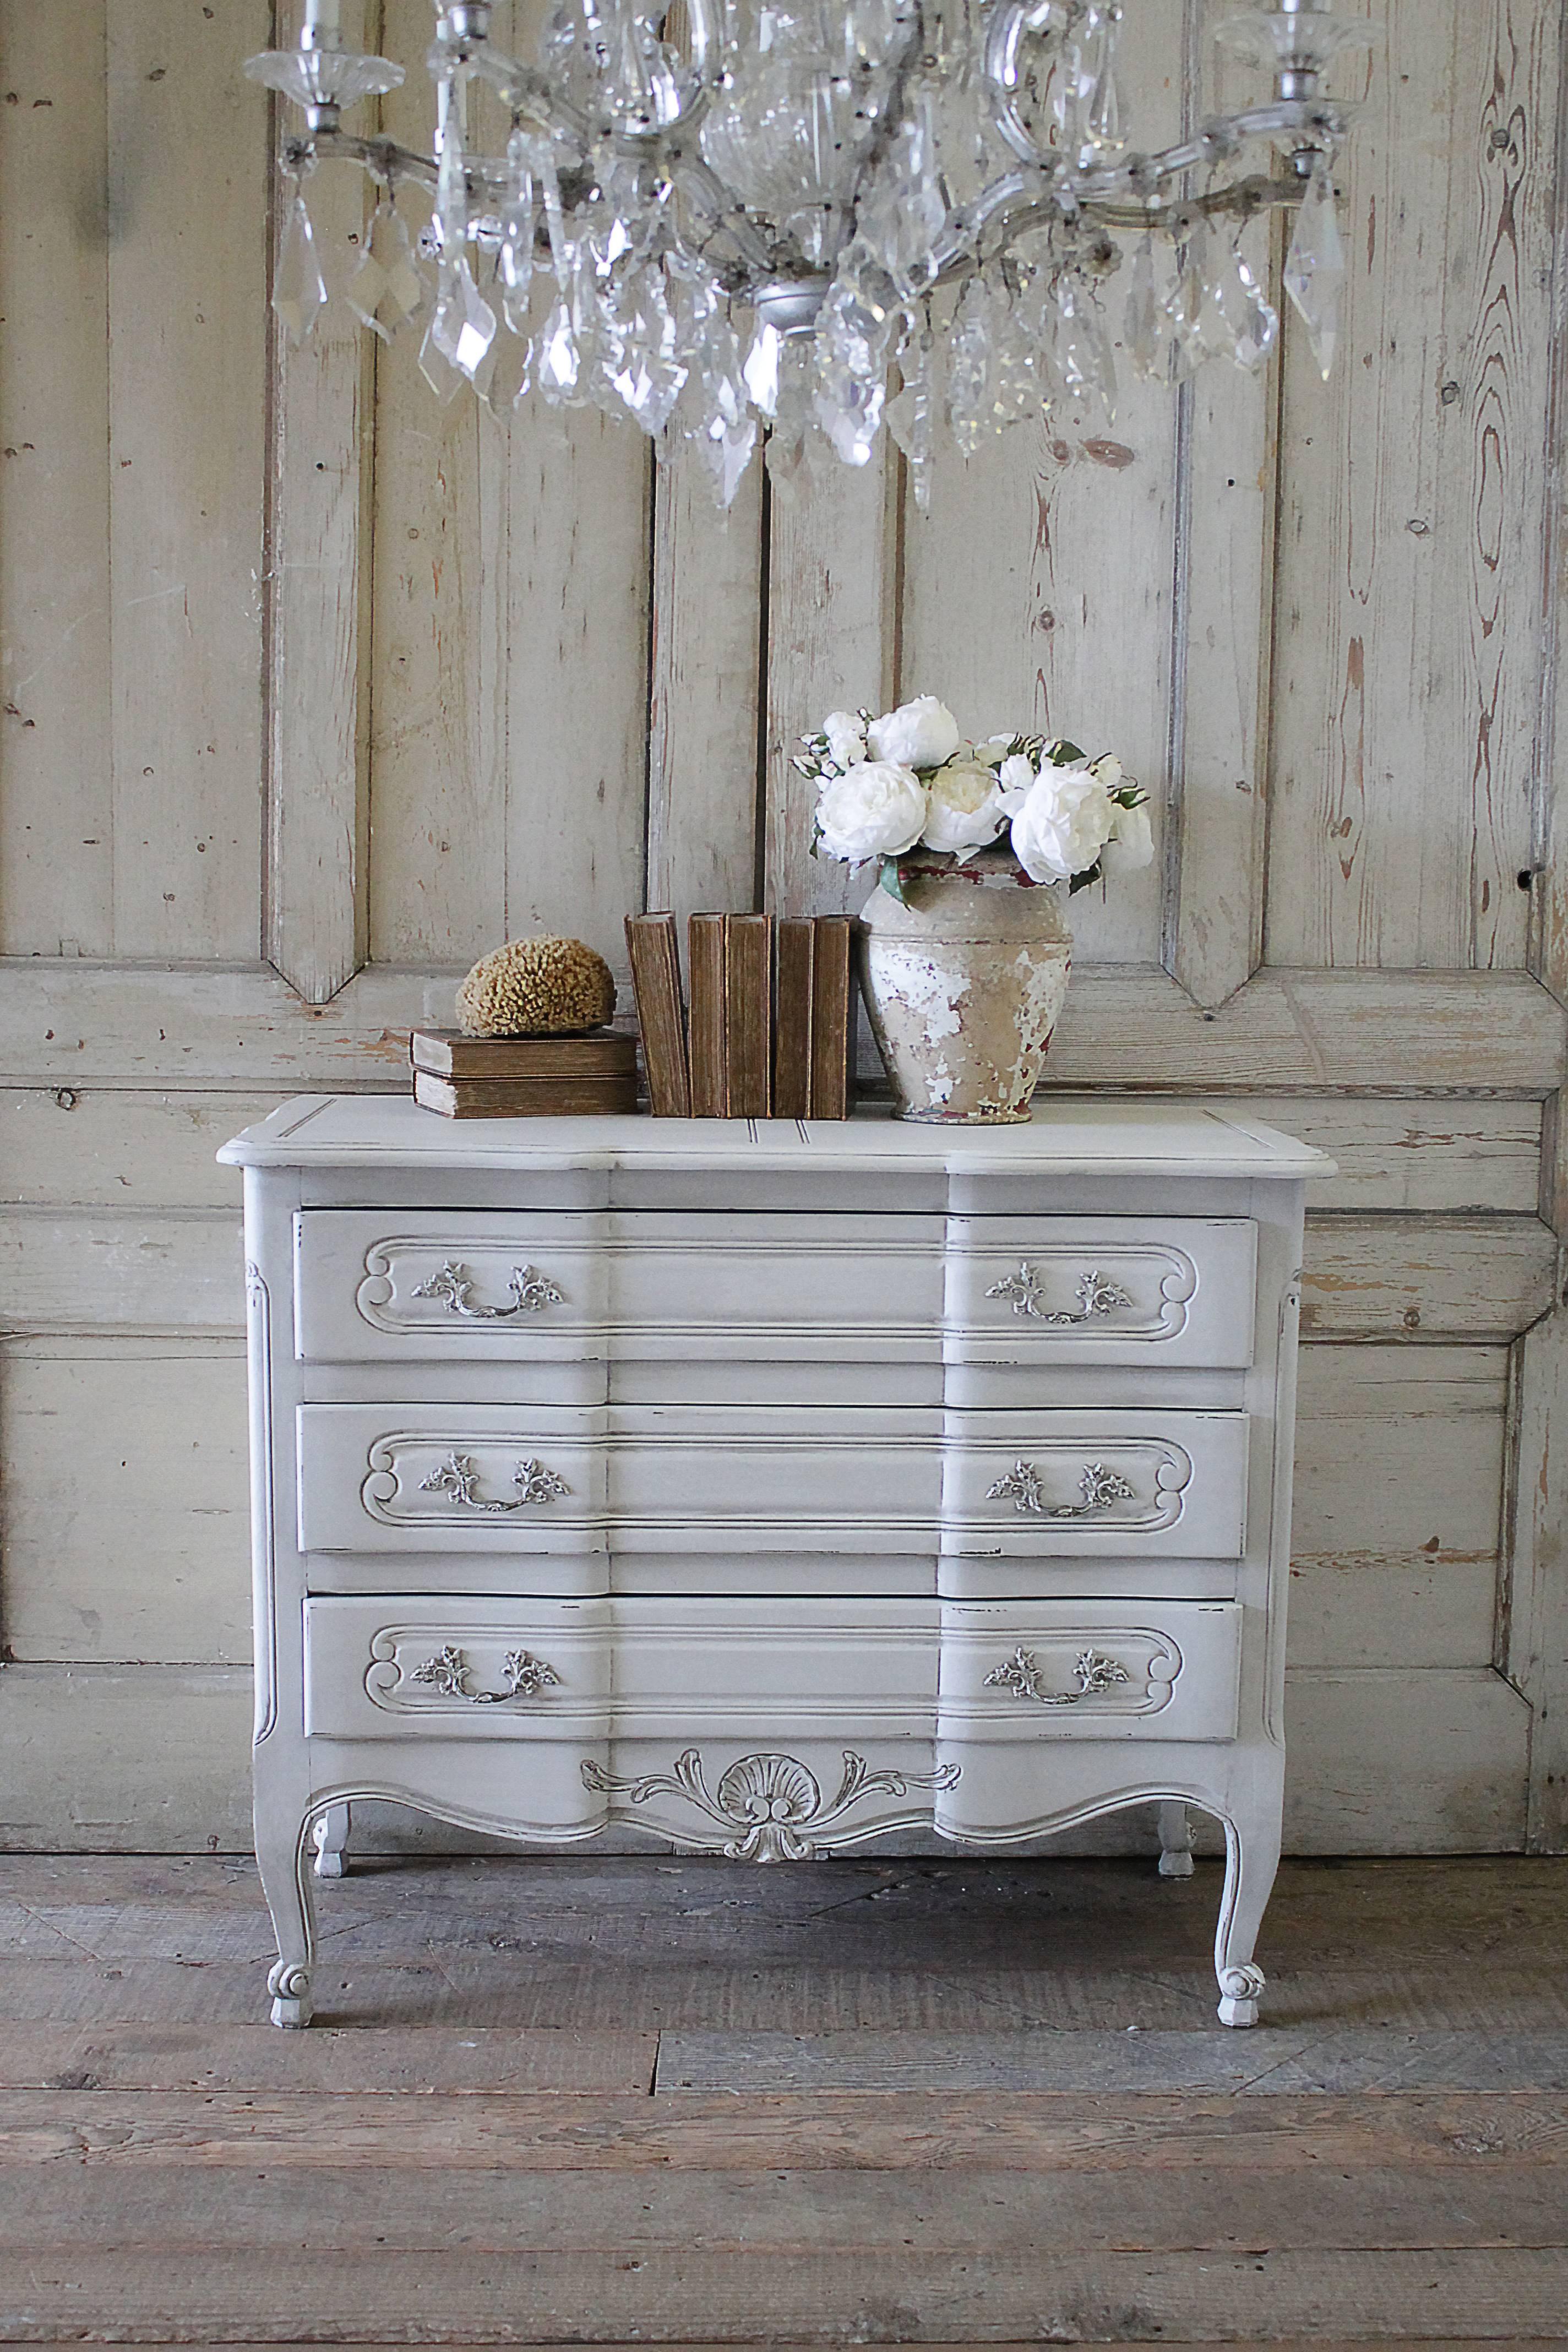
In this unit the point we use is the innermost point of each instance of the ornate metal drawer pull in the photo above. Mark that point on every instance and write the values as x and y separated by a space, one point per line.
1099 1487
526 1677
530 1292
456 1476
1021 1674
1096 1295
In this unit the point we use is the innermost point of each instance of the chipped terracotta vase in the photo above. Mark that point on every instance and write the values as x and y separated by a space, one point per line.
963 983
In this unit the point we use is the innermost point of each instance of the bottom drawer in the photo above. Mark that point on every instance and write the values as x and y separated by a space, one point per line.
636 1666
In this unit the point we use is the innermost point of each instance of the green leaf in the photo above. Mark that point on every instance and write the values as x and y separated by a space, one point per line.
1064 754
1081 881
892 880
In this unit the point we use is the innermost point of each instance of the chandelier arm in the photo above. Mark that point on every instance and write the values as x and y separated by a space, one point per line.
1004 37
384 159
703 81
1044 191
521 87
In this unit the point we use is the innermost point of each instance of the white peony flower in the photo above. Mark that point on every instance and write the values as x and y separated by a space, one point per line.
1109 771
993 750
1063 825
845 733
965 811
1016 776
1132 842
918 734
877 810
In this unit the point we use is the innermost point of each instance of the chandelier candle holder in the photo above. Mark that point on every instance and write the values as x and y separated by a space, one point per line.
722 215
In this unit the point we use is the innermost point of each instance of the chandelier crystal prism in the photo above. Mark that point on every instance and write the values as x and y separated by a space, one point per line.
719 218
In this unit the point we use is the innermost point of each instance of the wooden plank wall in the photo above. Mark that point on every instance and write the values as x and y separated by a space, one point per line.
313 689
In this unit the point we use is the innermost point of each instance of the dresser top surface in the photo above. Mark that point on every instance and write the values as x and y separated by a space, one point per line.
1066 1135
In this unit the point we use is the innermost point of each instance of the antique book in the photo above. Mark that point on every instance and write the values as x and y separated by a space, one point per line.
749 1014
656 976
706 1021
591 1054
792 1014
526 1097
832 1018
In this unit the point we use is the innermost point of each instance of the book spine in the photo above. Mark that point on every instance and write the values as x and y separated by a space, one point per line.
749 1012
832 1017
792 1057
655 977
709 1062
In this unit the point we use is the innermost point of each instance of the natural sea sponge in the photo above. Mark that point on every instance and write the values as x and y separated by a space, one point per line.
533 988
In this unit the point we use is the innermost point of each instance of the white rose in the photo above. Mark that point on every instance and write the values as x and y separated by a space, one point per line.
993 750
965 811
845 733
1015 777
1108 769
877 810
1063 825
918 734
1132 842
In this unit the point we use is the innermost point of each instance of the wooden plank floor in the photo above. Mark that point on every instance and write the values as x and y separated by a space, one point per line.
614 2101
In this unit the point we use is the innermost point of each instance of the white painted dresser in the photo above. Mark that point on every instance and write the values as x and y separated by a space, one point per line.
772 1487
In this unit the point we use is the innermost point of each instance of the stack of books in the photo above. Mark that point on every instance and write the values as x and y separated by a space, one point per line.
770 1029
523 1077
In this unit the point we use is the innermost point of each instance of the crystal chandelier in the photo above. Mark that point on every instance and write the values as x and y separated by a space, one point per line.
720 215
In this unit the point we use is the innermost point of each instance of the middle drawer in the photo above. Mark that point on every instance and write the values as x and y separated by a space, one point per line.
696 1478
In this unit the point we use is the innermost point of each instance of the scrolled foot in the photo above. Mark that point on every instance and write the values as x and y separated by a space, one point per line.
289 1985
1239 1988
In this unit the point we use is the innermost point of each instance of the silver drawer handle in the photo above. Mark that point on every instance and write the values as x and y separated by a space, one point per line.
1096 1295
454 1285
1021 1674
1099 1485
456 1476
526 1677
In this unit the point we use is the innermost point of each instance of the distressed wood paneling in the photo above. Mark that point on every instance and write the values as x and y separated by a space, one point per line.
1483 1156
1480 1279
120 1151
318 590
1533 1625
1406 1759
57 831
510 662
832 646
1408 591
85 1270
1398 1509
1219 725
187 339
1038 589
128 1759
210 1025
705 658
125 1509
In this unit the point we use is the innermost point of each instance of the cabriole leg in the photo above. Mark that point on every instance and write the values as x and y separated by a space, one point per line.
1175 1840
330 1838
1252 1857
285 1882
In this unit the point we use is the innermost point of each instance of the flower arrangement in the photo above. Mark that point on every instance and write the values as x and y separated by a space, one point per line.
909 781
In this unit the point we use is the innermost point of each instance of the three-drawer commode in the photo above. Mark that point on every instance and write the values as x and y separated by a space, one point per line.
770 1488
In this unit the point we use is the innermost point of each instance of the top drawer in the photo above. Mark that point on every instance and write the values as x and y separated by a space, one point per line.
1160 1291
374 1286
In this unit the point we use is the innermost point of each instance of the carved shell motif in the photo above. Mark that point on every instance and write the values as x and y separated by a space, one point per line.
768 1788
